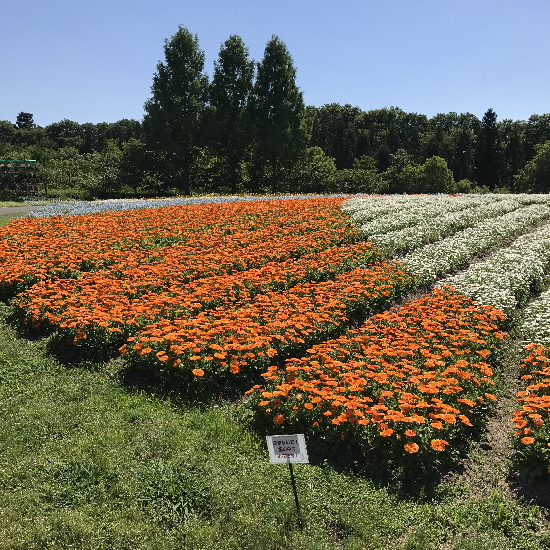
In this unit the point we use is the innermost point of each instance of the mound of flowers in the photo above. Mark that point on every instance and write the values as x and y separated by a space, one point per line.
235 339
531 419
182 243
99 279
410 381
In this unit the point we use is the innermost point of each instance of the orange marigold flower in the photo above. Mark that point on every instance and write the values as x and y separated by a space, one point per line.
438 444
198 372
527 440
278 419
387 432
411 447
410 433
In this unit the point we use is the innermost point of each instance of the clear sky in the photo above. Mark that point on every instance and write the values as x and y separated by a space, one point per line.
93 61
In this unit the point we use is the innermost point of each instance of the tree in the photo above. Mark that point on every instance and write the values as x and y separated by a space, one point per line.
66 133
403 175
25 120
7 135
537 131
313 173
229 94
535 176
334 130
436 177
172 122
123 130
462 146
278 112
513 154
488 154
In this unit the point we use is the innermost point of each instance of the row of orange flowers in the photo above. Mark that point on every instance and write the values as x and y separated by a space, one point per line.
409 381
243 339
531 419
181 243
149 294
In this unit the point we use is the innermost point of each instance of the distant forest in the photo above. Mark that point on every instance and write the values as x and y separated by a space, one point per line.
248 131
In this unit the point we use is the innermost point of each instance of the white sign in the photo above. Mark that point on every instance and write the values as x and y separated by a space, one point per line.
287 448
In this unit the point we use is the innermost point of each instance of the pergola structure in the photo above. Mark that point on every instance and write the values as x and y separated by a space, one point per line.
19 178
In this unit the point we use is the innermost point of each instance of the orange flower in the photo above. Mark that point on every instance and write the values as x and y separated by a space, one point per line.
438 444
410 433
278 419
411 447
198 372
527 440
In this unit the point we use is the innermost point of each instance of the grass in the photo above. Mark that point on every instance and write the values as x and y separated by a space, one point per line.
5 218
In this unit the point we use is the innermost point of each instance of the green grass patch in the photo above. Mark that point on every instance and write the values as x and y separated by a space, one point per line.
5 218
88 464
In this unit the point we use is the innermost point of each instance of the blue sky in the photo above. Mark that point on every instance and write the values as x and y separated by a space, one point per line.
94 61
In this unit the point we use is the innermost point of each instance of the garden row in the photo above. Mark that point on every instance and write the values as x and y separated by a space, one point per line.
532 417
178 243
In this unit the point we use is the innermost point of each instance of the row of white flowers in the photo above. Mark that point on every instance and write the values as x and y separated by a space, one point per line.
536 320
432 261
508 277
378 215
435 227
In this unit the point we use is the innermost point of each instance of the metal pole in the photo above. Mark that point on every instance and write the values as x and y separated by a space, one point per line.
293 481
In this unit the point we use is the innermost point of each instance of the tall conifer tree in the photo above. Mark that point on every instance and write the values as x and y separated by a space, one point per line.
488 154
229 95
278 111
173 115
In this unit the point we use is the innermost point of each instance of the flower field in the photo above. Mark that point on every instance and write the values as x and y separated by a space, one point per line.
299 300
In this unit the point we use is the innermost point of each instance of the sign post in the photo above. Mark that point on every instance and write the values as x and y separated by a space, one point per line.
289 449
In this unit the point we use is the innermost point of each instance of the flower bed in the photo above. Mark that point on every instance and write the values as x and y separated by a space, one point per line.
232 340
190 242
532 417
409 381
508 277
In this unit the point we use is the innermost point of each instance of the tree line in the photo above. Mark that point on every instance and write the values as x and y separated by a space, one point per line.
248 130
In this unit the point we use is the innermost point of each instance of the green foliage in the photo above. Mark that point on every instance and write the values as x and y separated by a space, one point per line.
365 162
25 120
436 177
313 173
229 95
172 122
106 180
278 114
406 176
173 492
535 175
488 154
